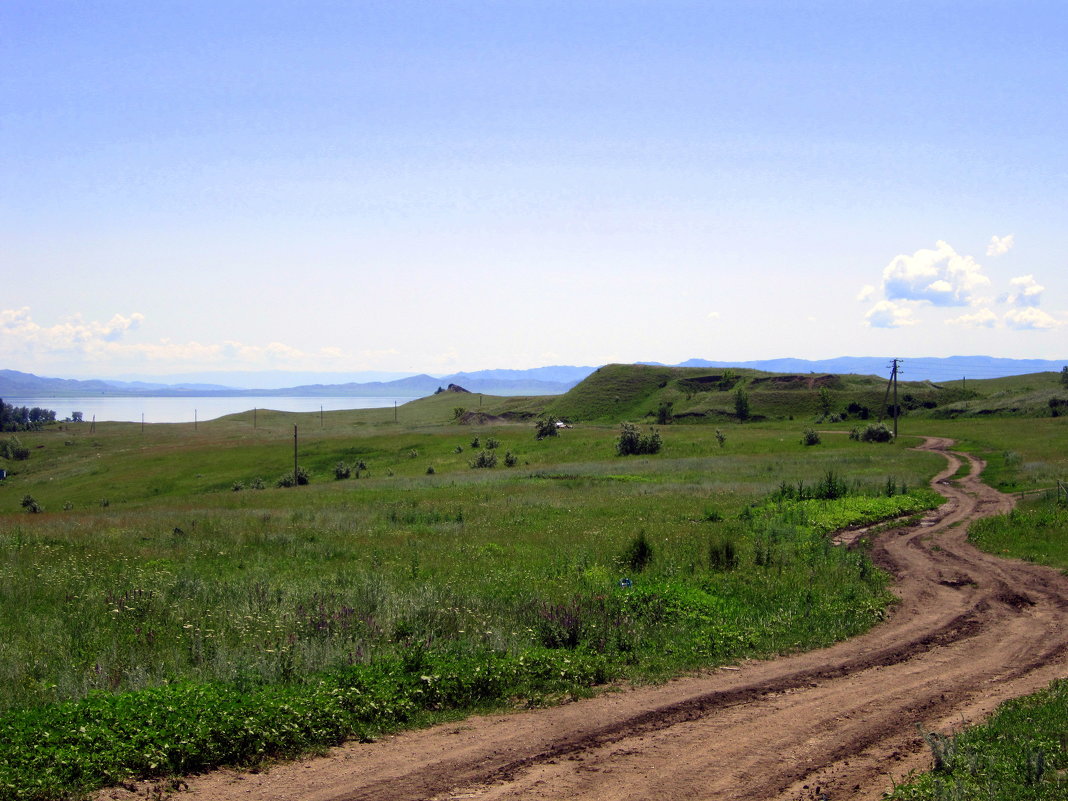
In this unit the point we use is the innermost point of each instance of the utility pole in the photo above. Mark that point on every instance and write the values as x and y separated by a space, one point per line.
295 455
897 411
891 383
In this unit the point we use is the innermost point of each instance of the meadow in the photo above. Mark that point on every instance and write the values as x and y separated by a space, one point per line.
166 607
161 614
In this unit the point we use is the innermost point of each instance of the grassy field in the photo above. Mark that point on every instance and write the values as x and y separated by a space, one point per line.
161 615
170 608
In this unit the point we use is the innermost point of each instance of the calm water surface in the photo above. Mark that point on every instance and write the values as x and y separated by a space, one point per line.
185 410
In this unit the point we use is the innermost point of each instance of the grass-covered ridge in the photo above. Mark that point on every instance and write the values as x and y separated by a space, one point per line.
326 611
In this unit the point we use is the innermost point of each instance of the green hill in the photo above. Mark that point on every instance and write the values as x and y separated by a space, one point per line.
699 394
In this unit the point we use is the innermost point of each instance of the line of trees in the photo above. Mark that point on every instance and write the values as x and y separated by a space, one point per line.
24 418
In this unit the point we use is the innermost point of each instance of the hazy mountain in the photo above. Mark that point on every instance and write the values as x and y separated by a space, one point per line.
536 381
916 369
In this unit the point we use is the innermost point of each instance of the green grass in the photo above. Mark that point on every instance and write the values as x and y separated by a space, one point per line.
426 593
1020 754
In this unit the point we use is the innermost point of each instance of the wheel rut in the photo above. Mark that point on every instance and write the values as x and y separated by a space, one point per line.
970 631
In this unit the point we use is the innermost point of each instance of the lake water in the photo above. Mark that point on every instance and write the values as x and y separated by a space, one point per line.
185 410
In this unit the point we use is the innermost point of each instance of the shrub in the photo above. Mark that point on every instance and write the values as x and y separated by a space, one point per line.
546 427
510 459
29 503
492 442
12 448
485 459
458 449
458 412
810 437
476 442
722 554
237 486
342 470
639 553
741 404
430 470
721 438
631 443
287 479
663 414
256 484
876 432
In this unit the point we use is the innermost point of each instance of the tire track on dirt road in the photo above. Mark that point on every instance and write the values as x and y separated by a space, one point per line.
970 630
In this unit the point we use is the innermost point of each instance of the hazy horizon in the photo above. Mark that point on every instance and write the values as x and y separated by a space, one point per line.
408 187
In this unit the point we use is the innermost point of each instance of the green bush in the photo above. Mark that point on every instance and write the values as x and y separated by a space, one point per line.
29 503
510 459
631 443
341 471
810 437
638 554
722 554
876 432
485 459
546 427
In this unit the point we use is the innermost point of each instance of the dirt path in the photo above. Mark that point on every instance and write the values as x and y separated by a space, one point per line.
971 630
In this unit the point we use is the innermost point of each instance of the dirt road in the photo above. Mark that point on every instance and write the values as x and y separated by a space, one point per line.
971 630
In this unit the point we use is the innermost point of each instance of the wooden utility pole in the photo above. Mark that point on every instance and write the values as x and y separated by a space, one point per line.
897 410
320 415
295 455
194 419
891 383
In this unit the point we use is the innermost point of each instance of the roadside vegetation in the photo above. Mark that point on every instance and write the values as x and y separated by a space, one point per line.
1022 751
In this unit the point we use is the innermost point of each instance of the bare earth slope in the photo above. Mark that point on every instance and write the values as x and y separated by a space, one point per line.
971 630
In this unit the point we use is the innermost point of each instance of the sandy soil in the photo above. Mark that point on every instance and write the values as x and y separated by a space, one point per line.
970 631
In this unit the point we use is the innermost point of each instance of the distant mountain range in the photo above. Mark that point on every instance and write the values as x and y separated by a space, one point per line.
537 381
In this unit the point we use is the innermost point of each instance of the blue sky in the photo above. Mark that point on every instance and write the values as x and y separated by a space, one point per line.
437 186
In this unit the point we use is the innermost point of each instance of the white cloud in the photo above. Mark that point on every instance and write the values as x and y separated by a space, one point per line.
984 318
1027 292
887 314
867 292
714 315
1031 319
999 245
24 340
940 276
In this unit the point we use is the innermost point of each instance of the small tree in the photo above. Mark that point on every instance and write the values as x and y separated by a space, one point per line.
342 470
1064 376
721 438
810 437
546 427
825 401
663 414
741 404
29 503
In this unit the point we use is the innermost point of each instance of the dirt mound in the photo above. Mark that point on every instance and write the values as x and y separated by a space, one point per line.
798 381
478 418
